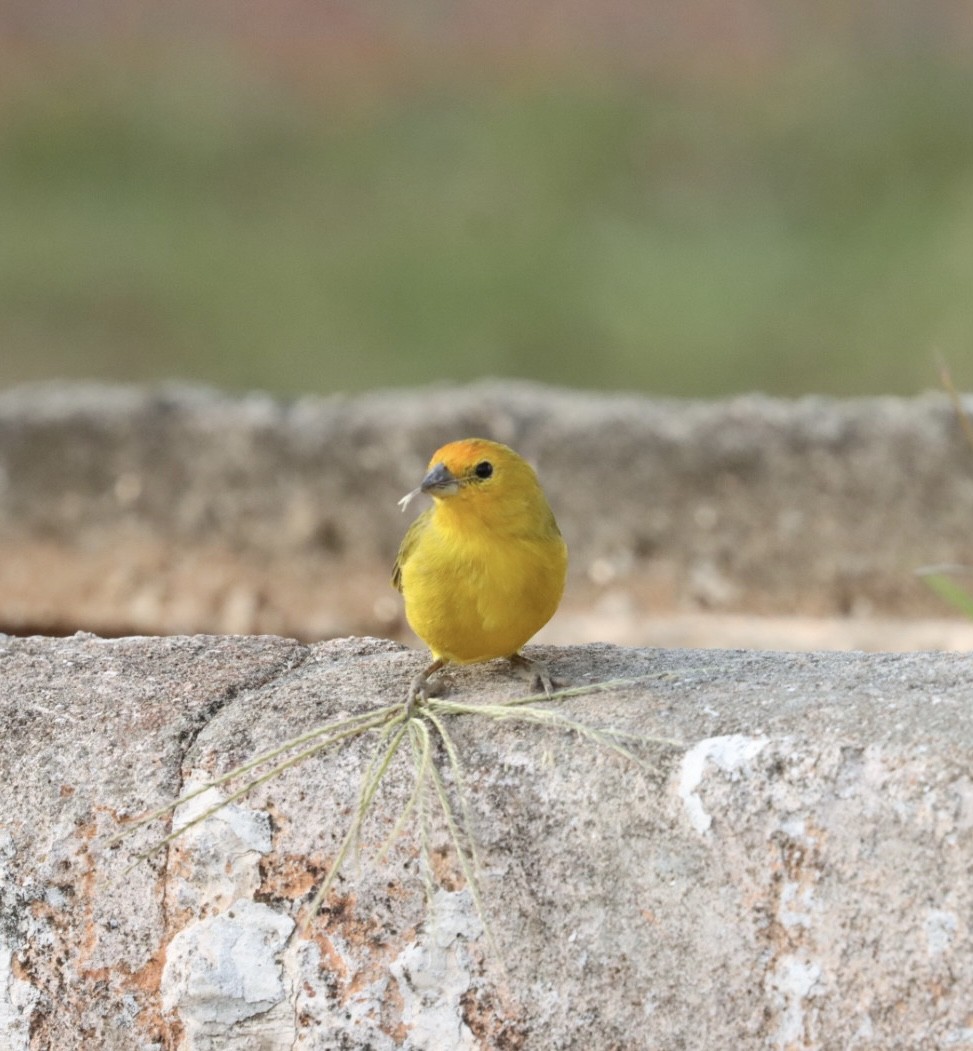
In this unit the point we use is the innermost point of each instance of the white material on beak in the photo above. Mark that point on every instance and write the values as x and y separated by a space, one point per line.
409 497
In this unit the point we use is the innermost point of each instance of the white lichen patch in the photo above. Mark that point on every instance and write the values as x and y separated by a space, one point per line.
222 853
223 970
730 754
435 971
941 927
792 986
16 1000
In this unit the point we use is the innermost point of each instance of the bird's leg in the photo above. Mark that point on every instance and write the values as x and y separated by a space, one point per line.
419 688
534 671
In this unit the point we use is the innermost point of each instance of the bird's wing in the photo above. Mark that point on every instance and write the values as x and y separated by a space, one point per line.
408 545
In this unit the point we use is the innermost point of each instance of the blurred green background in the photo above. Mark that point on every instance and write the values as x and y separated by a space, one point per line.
682 198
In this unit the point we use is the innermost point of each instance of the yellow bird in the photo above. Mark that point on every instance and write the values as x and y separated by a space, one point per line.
482 570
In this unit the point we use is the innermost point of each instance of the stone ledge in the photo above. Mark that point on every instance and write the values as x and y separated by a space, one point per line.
126 510
795 874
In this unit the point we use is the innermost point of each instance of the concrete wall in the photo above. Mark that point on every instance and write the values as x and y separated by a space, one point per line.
129 510
791 872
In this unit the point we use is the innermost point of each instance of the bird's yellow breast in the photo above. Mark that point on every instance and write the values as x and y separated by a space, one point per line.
472 592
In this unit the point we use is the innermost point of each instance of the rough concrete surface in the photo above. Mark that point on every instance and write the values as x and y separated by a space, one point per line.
127 510
793 874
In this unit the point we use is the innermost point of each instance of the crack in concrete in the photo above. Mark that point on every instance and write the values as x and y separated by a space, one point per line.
273 677
281 672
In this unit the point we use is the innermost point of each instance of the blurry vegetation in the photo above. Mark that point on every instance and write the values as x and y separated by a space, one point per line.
810 228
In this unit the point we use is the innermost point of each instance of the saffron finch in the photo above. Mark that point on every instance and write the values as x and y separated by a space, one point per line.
482 570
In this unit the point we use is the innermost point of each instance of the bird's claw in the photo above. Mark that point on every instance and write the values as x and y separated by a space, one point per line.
421 689
536 672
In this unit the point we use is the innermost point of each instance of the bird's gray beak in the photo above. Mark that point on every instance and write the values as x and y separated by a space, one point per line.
439 480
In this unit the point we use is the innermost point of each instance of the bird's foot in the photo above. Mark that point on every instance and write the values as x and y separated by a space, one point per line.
536 673
421 688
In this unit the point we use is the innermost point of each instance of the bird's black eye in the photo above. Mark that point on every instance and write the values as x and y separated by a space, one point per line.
483 469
